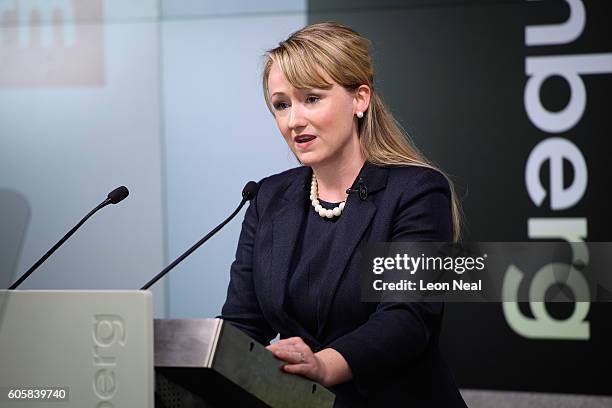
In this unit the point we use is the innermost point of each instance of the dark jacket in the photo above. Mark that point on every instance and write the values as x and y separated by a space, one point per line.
392 348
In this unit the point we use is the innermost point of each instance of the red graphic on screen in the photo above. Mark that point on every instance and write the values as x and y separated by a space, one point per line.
51 43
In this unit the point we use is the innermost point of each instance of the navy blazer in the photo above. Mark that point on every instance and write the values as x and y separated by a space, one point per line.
391 348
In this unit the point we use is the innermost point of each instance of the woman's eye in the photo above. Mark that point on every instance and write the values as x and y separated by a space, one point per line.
312 99
281 105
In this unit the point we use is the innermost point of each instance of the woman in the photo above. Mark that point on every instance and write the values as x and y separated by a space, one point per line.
297 265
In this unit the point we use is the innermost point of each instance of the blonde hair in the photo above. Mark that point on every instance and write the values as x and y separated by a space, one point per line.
336 51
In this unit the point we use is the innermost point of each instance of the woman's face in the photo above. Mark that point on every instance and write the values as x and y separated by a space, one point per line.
319 125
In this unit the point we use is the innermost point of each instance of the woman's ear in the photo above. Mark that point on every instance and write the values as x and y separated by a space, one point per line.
362 98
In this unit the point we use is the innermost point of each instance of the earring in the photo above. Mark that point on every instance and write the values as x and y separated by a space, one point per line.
360 115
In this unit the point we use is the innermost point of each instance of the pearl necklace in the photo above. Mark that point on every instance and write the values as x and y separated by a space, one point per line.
314 198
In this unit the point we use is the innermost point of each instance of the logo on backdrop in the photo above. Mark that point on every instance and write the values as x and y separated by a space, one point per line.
61 42
563 191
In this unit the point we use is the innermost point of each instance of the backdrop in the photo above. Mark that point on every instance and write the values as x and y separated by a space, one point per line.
511 98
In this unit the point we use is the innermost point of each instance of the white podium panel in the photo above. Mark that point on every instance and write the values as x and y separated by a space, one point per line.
95 345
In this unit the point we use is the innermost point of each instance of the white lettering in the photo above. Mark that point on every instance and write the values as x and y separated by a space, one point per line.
555 150
569 67
544 326
564 33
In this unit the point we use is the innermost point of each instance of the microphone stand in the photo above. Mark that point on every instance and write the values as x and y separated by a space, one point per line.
59 243
195 246
114 197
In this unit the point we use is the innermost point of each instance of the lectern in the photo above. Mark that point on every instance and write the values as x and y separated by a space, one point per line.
102 349
96 346
210 363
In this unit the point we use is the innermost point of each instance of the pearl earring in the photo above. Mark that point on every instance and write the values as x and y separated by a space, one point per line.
360 115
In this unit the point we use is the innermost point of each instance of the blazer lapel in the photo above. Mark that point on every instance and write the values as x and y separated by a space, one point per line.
357 216
287 223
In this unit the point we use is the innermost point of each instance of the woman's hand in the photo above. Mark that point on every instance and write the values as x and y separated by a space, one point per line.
300 358
327 367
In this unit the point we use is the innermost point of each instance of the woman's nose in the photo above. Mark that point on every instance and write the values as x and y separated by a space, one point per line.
297 118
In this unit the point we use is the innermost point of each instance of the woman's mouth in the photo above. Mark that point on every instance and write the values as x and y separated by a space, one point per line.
304 141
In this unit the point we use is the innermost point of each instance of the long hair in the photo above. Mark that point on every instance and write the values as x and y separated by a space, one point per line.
333 50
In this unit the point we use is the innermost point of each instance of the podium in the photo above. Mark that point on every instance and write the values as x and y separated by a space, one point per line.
210 363
95 345
102 349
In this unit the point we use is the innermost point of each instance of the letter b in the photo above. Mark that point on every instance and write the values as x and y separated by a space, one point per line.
569 68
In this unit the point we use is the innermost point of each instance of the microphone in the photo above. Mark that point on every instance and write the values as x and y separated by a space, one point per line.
118 195
248 193
114 197
362 190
